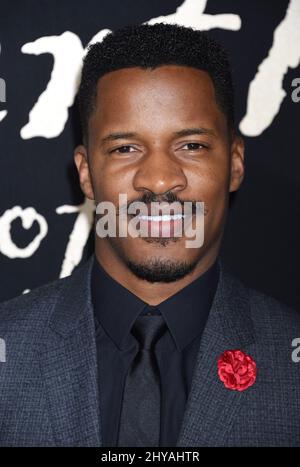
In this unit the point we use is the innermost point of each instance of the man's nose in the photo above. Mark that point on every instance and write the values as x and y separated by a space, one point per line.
159 173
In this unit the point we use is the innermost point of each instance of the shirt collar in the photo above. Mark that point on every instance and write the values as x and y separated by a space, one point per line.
185 313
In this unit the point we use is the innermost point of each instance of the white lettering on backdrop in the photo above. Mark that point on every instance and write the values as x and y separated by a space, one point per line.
266 92
28 217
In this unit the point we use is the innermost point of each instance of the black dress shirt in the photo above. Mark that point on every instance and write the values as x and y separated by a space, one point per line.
185 314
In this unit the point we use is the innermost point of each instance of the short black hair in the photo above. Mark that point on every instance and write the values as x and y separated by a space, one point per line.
151 46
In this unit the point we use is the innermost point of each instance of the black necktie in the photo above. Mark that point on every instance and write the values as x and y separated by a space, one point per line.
140 415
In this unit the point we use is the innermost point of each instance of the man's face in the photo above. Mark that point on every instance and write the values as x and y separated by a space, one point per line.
160 159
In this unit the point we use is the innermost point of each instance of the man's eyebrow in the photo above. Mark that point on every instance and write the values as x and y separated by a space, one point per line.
195 131
180 133
118 135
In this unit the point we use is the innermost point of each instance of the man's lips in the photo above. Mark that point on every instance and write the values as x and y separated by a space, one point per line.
166 225
163 221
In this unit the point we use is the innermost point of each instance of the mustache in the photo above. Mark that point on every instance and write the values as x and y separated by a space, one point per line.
148 198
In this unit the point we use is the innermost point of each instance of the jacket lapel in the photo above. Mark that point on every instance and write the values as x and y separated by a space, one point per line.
69 365
211 408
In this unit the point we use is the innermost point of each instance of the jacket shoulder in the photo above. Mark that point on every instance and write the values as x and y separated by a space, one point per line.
32 311
269 315
34 305
272 310
272 318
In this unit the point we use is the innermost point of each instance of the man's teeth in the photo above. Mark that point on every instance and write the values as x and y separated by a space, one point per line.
165 217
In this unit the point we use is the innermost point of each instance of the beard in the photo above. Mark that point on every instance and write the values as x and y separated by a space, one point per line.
156 269
160 270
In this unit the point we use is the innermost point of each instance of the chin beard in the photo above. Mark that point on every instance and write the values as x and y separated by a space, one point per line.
158 270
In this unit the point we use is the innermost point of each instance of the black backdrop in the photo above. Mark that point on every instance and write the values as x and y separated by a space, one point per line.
261 242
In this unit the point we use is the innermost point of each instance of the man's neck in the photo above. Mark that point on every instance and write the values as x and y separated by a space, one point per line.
152 293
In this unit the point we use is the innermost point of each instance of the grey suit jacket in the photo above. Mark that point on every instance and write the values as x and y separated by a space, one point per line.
49 382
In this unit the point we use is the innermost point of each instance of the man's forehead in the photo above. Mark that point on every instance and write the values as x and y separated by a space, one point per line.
165 89
147 98
171 74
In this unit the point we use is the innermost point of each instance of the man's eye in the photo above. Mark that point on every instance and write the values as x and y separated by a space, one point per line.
123 149
193 146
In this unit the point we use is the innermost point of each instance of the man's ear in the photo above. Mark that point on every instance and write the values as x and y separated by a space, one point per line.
237 163
81 161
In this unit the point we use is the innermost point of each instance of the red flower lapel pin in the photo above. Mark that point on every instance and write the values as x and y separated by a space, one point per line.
236 370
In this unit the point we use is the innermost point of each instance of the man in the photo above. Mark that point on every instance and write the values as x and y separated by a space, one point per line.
152 342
